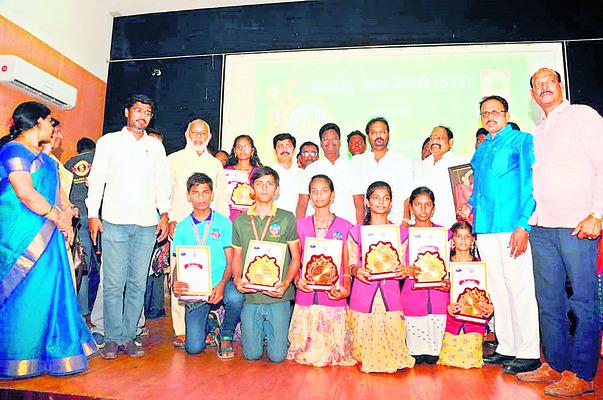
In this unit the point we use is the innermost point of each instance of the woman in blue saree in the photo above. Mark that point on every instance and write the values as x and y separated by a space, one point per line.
41 330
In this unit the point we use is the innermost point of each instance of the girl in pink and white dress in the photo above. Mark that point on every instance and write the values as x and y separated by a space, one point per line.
319 333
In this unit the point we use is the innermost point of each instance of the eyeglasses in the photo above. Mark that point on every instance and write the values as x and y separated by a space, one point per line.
147 113
309 153
243 147
494 113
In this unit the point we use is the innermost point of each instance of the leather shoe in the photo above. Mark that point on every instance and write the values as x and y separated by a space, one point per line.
521 365
496 358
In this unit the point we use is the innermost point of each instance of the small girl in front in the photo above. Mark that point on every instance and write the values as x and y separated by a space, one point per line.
319 334
462 344
379 334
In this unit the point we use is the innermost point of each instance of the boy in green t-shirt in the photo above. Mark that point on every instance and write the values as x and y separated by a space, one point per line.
265 315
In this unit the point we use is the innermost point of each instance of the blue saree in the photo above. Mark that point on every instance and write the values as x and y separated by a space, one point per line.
41 330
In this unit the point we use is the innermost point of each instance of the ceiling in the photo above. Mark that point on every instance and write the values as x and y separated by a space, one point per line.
131 7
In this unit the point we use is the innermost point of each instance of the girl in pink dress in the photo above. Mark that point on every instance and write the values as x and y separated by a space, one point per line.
462 344
242 162
319 334
424 309
377 322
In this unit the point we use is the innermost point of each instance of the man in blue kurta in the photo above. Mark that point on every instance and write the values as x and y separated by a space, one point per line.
502 203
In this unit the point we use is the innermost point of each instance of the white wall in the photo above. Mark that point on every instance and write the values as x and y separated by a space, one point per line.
80 30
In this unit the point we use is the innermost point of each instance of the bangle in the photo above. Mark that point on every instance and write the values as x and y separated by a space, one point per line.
596 215
48 212
351 269
348 275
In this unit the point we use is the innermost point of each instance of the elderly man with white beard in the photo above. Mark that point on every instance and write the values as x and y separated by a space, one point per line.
183 163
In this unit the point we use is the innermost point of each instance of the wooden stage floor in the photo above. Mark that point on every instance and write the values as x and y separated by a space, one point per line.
166 373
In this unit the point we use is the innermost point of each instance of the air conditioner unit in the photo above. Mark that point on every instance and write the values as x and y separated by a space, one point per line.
19 73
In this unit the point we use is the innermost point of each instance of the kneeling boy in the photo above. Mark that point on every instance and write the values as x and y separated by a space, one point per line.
206 227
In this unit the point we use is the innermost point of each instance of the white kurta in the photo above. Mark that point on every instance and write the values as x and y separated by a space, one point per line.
289 186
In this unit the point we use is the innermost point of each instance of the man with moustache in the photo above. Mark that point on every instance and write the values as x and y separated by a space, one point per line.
193 158
290 175
433 173
130 177
349 197
502 203
568 188
382 164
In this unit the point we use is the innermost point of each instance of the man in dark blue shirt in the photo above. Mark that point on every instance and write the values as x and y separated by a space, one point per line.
502 203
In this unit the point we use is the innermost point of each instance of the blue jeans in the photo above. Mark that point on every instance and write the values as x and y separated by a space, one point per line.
126 256
559 256
195 318
265 321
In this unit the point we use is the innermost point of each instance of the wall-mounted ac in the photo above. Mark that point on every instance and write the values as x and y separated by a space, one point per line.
19 73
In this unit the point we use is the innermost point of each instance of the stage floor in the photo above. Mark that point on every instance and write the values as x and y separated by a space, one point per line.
167 373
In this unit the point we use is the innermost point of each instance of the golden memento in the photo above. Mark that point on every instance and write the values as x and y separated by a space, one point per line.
263 270
470 300
241 194
321 270
433 268
381 257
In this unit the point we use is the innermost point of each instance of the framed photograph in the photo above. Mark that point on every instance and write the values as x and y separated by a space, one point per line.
239 189
461 183
381 250
468 287
428 249
263 267
193 264
321 263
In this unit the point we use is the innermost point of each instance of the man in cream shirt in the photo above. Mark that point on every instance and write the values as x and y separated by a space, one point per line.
183 163
433 173
382 164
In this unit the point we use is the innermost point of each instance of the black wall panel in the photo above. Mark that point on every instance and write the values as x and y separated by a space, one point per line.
183 89
585 67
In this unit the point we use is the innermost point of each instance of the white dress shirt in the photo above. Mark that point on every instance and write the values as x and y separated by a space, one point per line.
436 177
342 173
289 182
131 177
183 164
393 169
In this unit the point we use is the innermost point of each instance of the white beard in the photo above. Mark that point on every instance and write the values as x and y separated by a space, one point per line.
198 148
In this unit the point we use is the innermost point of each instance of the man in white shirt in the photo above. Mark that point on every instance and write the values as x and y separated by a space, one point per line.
382 164
130 176
349 197
183 163
433 173
289 174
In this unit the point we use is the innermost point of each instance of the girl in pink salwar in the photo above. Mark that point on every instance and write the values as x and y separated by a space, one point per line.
424 309
376 319
319 334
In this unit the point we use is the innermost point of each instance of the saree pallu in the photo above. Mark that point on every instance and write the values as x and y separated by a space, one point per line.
41 330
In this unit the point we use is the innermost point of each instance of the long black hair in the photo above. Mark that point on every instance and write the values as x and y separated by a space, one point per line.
369 191
24 118
254 160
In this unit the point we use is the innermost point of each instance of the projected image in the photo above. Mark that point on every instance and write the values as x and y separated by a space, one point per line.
414 88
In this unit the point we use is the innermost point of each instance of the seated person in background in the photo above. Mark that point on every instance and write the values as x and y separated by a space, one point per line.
222 156
265 315
206 227
308 153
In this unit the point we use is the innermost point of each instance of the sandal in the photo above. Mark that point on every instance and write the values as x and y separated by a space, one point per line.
224 352
179 341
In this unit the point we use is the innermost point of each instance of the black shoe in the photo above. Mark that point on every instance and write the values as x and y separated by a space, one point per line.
430 359
496 358
133 349
419 359
521 365
109 351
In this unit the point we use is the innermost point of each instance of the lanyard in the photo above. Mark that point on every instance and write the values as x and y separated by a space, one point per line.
255 229
199 241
